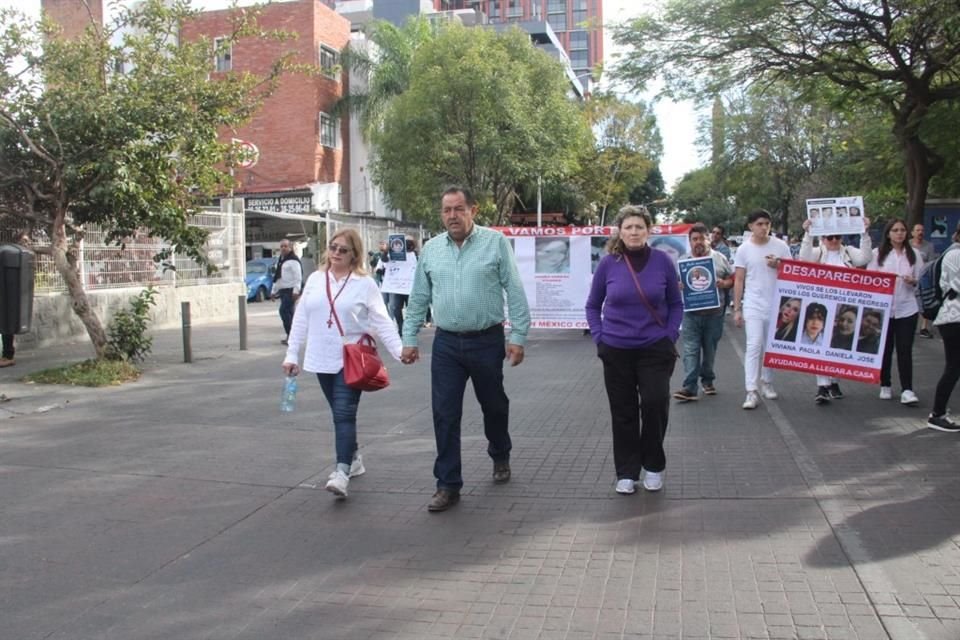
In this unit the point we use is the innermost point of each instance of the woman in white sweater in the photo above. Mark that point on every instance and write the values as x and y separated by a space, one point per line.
895 255
948 323
360 308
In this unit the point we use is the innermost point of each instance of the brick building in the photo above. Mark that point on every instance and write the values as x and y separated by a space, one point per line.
303 161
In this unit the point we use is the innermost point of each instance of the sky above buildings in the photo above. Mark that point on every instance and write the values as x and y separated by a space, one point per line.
677 120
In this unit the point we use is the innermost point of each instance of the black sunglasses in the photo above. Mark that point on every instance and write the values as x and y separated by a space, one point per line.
339 248
831 237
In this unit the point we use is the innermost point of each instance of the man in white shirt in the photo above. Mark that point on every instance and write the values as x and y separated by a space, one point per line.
755 283
287 281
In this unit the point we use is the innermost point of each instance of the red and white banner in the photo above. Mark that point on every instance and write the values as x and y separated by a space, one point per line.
556 266
829 321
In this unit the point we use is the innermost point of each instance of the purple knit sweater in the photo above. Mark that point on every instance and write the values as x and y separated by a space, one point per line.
616 313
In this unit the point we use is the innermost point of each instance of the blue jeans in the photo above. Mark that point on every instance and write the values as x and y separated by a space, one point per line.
343 402
455 360
397 302
700 336
286 309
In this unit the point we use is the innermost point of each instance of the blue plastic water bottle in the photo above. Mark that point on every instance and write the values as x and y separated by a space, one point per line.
288 400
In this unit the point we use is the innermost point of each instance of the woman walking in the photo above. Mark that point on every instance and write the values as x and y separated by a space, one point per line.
895 255
637 290
342 290
948 323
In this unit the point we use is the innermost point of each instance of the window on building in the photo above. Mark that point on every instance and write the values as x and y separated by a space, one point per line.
222 54
494 8
328 131
579 12
514 10
329 61
557 14
578 40
578 59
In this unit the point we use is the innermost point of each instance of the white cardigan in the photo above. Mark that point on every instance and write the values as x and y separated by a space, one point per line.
950 280
360 309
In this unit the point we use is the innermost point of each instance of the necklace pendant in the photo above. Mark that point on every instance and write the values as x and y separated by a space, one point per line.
329 323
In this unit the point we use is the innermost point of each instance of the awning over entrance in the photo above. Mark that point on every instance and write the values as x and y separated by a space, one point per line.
281 215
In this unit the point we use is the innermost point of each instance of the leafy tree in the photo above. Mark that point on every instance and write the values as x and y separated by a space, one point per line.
627 148
901 55
485 110
118 127
381 67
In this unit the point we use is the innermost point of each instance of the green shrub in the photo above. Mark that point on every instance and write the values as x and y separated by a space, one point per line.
127 337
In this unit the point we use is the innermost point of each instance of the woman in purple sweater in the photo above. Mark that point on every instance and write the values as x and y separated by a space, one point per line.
634 311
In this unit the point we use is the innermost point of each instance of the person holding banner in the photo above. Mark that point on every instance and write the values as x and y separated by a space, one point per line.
948 323
895 255
756 266
832 251
702 330
634 311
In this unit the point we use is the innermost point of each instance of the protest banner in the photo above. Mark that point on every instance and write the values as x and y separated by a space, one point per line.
829 321
556 266
398 275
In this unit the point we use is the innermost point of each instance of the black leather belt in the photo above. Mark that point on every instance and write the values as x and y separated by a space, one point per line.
497 328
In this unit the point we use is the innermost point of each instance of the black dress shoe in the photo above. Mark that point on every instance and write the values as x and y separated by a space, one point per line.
501 472
443 499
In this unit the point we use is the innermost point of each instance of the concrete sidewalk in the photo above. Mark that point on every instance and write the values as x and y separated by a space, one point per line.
182 507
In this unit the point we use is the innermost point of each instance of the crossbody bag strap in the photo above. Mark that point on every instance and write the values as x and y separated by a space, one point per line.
333 309
643 296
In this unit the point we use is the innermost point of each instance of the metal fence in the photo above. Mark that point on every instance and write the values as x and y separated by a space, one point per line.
132 264
375 230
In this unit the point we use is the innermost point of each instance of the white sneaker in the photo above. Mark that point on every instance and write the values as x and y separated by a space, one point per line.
652 481
752 400
337 484
768 391
909 398
886 393
356 467
626 486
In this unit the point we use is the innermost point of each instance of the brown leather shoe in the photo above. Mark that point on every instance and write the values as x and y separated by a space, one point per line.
501 472
7 362
443 499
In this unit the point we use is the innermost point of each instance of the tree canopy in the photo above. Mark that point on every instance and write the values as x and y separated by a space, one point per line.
484 110
119 126
901 55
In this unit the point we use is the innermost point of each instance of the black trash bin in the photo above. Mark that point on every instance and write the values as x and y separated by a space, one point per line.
16 288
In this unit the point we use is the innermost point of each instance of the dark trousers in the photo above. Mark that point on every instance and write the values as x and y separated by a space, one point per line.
8 346
397 302
900 332
455 360
950 333
286 309
638 388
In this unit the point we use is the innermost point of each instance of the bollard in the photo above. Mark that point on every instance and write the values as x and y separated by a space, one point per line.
242 310
185 316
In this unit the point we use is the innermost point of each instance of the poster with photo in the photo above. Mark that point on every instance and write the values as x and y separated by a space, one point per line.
829 321
698 284
398 274
397 247
556 265
836 216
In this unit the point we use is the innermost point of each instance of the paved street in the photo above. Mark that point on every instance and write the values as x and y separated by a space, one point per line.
184 506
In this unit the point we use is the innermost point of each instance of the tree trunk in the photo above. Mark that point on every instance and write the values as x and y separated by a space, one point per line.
67 268
920 162
918 174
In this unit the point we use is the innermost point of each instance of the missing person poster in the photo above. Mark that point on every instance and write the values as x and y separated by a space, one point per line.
698 284
829 321
835 216
398 274
556 265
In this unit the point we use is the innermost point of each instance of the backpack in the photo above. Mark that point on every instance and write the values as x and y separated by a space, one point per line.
929 294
